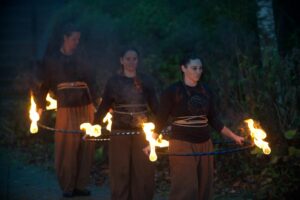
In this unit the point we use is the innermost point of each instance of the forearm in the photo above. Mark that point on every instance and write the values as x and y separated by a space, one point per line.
228 133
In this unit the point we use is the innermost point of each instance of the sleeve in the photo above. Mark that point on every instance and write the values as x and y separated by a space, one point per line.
213 117
164 110
92 84
106 103
152 96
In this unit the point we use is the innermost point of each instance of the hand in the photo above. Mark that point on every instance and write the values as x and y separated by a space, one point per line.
146 150
239 140
40 111
227 132
155 136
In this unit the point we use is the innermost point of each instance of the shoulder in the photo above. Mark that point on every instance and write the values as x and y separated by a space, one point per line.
207 89
113 79
204 86
174 87
146 78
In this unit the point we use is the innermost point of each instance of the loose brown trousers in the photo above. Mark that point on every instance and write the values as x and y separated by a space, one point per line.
73 155
191 176
131 172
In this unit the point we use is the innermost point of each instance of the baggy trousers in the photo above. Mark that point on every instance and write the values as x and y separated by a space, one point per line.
131 172
191 176
73 155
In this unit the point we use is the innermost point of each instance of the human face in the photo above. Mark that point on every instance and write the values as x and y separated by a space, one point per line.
71 42
129 62
192 71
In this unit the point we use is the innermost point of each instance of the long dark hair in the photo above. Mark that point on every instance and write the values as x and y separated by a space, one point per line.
57 38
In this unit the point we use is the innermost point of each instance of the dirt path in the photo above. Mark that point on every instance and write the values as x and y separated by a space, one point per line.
20 181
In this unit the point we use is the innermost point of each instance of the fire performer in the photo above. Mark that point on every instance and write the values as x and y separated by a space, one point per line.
132 97
66 74
190 105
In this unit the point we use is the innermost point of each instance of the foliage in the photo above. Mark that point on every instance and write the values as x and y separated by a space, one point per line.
224 33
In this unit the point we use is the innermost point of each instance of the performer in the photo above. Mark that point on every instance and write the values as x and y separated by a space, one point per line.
190 105
65 73
132 97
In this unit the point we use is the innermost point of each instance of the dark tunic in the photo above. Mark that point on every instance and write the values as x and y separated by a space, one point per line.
181 100
59 68
131 100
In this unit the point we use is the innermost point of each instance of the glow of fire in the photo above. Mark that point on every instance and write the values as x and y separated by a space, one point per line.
52 103
148 129
34 116
91 130
258 135
107 119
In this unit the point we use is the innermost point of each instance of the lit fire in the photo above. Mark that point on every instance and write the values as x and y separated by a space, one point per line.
107 119
34 116
91 130
258 135
148 129
95 130
52 103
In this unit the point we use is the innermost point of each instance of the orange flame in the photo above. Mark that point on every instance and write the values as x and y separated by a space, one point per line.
52 103
95 130
91 130
107 119
258 135
34 116
148 129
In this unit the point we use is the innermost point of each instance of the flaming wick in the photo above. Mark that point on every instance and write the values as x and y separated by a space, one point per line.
107 119
34 116
258 135
148 129
52 103
91 130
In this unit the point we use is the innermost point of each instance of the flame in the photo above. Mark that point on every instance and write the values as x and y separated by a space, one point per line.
258 135
34 116
148 129
52 103
161 142
107 119
91 130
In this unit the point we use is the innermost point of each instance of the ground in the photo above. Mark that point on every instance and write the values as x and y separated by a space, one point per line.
23 181
20 180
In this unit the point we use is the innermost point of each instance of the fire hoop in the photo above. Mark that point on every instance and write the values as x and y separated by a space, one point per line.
218 152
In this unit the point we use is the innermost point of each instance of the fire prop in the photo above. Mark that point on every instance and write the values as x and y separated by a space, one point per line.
95 130
258 135
148 129
91 130
52 103
34 116
107 119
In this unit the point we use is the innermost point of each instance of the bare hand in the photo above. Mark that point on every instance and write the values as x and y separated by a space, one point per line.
40 111
239 140
146 150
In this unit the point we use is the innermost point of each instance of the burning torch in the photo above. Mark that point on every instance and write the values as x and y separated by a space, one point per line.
159 142
95 130
258 135
33 115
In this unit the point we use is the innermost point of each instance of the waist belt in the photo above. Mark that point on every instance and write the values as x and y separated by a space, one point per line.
75 85
191 121
68 85
126 112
